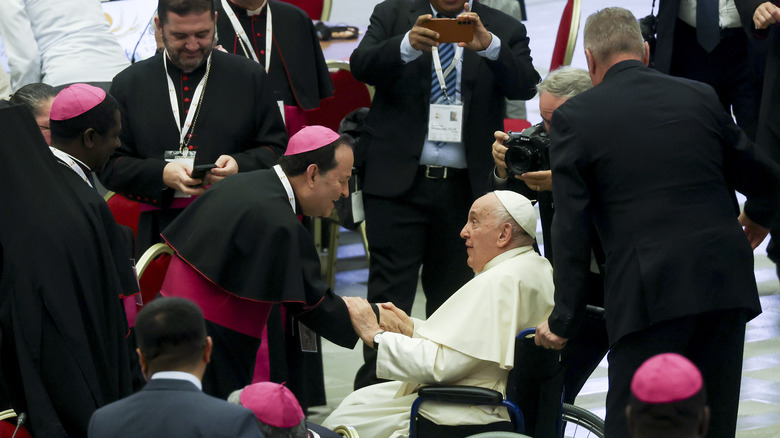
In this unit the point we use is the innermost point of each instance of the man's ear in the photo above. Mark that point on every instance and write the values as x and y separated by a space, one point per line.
312 172
591 62
646 59
142 362
158 23
207 349
505 236
89 137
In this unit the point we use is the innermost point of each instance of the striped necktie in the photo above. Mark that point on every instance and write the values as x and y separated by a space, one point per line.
446 54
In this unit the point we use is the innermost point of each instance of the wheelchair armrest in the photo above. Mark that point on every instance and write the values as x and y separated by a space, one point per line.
461 394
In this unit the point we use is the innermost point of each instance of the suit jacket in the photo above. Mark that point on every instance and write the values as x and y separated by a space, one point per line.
298 70
238 117
389 150
655 177
173 408
768 122
667 21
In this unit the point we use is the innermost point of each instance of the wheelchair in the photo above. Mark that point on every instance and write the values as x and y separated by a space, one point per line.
534 391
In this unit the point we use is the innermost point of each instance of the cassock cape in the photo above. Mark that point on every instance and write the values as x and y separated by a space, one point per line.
243 236
298 69
63 267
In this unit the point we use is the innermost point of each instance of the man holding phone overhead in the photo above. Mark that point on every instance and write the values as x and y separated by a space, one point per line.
426 146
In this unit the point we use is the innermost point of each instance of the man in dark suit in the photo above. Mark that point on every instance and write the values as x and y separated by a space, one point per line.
418 186
173 350
730 62
656 180
761 18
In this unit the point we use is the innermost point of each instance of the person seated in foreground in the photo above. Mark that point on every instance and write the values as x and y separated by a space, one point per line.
173 350
470 339
668 399
278 411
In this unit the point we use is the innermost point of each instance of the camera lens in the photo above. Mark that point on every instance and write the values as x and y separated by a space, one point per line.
519 159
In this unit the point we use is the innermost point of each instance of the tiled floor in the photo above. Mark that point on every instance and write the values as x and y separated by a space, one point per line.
759 414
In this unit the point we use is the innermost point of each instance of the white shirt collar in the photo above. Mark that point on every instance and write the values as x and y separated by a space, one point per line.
251 12
287 186
178 375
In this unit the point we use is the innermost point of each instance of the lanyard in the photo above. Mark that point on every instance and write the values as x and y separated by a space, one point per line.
243 38
437 65
197 99
70 161
286 183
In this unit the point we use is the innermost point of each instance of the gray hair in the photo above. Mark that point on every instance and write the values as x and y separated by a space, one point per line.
34 96
566 81
613 31
501 215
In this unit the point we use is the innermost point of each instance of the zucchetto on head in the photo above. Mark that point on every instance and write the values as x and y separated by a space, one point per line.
75 100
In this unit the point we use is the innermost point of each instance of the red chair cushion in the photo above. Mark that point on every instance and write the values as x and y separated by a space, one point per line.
125 211
152 279
313 8
7 430
349 94
562 40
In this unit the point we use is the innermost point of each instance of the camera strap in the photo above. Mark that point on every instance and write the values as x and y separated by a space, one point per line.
437 66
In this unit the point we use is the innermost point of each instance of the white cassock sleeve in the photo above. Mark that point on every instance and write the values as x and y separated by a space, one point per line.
418 360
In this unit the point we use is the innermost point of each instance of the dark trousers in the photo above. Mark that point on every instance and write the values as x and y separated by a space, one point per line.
421 228
727 69
232 361
713 341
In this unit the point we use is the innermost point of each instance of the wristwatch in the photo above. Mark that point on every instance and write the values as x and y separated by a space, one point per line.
376 340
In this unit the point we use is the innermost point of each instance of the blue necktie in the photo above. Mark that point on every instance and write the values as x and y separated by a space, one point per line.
446 54
707 26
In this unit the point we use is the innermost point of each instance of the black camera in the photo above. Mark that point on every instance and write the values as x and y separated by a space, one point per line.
528 151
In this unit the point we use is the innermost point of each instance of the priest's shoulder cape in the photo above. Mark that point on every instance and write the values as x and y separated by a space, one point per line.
63 268
243 236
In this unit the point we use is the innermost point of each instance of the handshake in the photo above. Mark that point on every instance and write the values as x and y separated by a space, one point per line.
363 318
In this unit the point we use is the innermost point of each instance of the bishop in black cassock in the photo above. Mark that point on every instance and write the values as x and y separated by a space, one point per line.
63 352
241 248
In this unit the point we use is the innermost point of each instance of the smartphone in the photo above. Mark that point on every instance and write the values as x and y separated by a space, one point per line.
200 171
451 30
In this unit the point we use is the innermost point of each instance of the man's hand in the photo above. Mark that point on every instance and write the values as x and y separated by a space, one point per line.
405 324
499 153
538 181
422 38
482 37
177 177
765 15
226 166
363 319
547 339
754 232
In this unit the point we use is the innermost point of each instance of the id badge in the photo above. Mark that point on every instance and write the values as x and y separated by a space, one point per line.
281 110
186 158
358 214
308 338
445 123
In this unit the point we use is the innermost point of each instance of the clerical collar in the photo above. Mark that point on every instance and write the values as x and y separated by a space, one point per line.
506 256
74 163
248 12
287 187
178 375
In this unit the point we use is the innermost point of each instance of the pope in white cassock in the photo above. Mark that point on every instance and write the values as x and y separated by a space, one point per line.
470 339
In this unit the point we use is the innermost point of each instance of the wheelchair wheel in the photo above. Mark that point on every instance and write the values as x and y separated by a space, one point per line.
578 422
